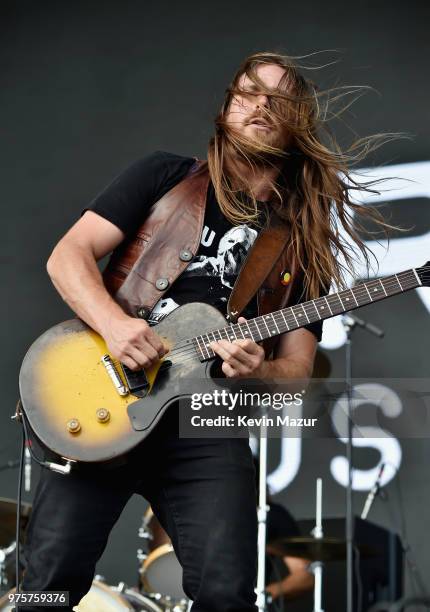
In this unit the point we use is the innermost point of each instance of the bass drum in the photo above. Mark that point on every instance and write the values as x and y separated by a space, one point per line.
103 598
160 572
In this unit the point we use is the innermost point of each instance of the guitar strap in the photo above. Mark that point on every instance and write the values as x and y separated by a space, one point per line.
268 247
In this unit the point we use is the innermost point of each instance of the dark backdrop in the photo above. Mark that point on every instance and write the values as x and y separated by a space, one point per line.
88 87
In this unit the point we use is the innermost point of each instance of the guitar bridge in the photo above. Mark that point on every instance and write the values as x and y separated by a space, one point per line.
114 375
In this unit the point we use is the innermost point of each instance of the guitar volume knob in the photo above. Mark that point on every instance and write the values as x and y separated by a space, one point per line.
103 415
73 426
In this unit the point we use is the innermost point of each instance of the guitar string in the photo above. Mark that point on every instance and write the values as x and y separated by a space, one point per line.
187 356
189 351
194 350
189 348
359 292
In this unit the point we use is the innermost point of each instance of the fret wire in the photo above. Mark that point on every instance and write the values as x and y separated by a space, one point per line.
338 296
268 330
355 299
274 321
285 320
322 305
383 288
249 329
303 308
206 341
408 273
293 323
239 330
225 334
357 294
373 286
330 300
416 276
328 305
299 314
316 309
343 297
391 285
292 318
201 350
294 315
409 281
258 329
400 284
368 293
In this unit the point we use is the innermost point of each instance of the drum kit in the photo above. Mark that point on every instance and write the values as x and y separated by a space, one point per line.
159 587
160 574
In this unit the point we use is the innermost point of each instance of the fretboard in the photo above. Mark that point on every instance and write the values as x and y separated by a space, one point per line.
294 317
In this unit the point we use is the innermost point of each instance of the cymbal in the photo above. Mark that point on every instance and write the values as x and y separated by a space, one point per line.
321 549
8 520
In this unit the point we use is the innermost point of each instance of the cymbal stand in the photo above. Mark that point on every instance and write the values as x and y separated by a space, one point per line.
262 511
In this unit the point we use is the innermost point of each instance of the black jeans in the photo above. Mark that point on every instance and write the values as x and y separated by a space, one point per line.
203 493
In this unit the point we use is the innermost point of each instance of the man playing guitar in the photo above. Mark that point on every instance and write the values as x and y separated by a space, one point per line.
266 158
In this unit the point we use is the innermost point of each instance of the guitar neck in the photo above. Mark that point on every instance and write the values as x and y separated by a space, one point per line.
285 320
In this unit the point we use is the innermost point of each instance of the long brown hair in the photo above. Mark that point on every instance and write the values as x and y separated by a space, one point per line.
314 191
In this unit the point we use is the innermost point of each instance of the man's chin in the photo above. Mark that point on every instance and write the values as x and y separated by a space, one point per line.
266 138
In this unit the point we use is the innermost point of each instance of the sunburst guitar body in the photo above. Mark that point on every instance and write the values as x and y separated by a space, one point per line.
84 406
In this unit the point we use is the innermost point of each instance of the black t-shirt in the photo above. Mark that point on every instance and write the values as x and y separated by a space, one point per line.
211 274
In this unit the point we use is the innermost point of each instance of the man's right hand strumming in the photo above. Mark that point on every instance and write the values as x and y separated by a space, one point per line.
133 342
73 269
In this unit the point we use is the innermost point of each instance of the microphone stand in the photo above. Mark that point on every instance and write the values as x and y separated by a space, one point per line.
318 566
349 322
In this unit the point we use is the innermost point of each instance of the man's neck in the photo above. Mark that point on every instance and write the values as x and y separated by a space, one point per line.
259 179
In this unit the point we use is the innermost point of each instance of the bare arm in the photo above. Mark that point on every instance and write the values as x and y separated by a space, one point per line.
294 357
73 270
299 581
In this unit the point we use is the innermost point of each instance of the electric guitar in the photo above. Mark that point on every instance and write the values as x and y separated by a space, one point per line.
85 406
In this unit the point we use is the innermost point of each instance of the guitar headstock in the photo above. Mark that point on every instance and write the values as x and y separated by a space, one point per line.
424 274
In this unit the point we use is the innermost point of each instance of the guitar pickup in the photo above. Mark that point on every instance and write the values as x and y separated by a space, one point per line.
137 382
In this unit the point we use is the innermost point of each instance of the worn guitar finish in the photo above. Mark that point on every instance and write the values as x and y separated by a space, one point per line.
63 378
74 407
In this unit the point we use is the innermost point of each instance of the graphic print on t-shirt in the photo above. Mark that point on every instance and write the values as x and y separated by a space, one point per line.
218 271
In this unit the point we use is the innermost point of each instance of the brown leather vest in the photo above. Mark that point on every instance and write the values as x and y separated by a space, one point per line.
144 267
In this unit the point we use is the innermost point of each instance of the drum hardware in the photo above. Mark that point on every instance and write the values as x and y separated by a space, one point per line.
160 573
4 553
323 549
99 578
262 510
317 567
